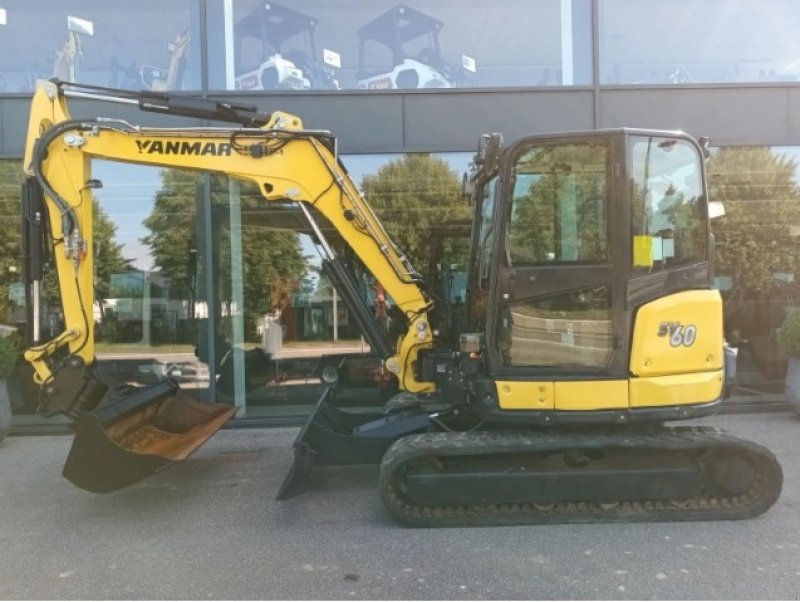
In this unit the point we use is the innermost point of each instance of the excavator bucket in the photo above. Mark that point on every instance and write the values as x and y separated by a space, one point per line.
138 435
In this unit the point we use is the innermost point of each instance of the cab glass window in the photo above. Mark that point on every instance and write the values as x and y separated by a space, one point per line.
559 206
486 230
667 205
571 329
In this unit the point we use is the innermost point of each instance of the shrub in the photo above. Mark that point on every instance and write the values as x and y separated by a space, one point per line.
9 354
789 334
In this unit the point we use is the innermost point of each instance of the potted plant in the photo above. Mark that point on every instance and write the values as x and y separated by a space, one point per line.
789 342
9 354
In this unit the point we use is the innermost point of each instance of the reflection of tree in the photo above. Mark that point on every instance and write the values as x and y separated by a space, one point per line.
172 225
531 233
412 194
560 214
272 262
10 255
108 257
680 219
757 237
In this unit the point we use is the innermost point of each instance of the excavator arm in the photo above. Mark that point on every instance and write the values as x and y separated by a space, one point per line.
285 161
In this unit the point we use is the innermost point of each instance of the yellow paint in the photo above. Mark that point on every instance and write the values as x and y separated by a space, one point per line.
678 389
591 395
513 395
655 391
654 355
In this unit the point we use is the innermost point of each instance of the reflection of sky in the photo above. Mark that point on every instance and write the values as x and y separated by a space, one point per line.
127 198
129 191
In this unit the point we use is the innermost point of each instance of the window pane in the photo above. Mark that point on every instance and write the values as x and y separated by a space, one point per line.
486 235
282 329
667 208
140 45
573 328
757 255
698 41
559 208
383 45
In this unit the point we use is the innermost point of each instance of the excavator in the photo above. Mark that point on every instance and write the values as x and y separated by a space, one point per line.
589 323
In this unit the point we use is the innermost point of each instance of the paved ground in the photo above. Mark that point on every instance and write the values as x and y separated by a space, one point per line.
209 529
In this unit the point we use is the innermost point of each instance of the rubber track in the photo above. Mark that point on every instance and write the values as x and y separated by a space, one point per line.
703 440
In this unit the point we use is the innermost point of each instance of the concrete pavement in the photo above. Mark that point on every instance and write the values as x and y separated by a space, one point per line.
209 528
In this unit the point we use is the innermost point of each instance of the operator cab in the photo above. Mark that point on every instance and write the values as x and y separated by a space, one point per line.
572 234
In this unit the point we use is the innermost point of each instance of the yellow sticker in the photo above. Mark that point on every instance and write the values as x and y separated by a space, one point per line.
642 251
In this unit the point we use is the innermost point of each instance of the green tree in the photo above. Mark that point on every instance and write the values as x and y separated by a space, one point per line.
107 253
558 211
412 194
758 235
173 224
10 252
108 258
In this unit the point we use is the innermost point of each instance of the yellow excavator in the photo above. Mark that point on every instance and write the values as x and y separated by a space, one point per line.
588 323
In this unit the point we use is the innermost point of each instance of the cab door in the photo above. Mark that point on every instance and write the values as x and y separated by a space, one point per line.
556 312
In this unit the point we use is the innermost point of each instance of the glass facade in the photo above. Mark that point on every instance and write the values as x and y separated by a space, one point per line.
147 45
385 45
186 286
757 253
312 45
200 280
237 307
302 45
698 41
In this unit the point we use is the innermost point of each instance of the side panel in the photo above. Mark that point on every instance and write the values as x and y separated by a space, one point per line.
678 334
563 395
591 395
678 389
525 395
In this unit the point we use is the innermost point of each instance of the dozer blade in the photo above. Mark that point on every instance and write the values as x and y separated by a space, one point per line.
138 435
332 436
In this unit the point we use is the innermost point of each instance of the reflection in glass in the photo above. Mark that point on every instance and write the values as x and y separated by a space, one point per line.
667 208
387 45
757 255
140 46
572 328
698 41
275 49
400 49
559 207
